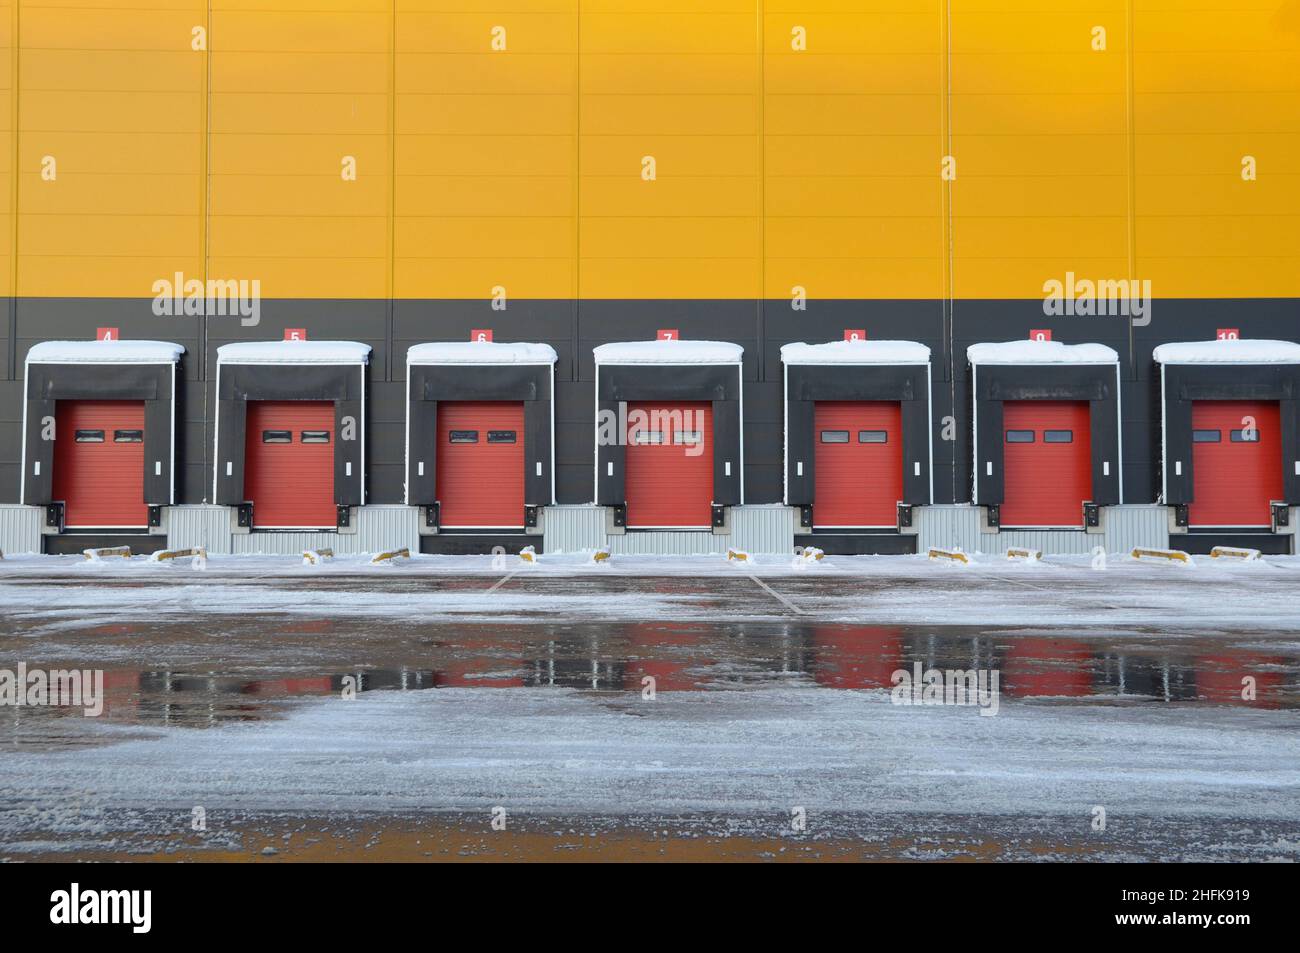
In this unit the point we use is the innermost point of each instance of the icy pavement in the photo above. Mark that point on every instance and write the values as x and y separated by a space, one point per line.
68 591
1121 690
731 754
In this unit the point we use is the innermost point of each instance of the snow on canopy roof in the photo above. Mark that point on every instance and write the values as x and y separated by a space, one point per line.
480 352
669 352
856 352
1040 352
294 352
105 352
1228 352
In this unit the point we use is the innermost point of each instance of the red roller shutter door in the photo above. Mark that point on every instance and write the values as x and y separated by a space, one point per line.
669 482
480 464
1234 478
289 464
1047 462
99 463
858 463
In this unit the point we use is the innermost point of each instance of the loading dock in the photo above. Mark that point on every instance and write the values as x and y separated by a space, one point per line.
1046 428
857 441
99 434
668 433
290 435
480 442
1230 441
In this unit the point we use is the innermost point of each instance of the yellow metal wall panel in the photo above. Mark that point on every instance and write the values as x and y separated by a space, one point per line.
109 132
300 177
1211 88
523 167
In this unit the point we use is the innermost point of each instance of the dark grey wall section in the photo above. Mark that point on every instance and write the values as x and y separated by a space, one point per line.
240 383
1185 383
574 328
431 383
47 384
1097 384
908 384
11 439
75 319
575 441
618 384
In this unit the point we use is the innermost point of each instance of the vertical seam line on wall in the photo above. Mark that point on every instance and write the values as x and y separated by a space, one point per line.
948 323
14 175
575 316
390 277
1131 121
205 233
760 362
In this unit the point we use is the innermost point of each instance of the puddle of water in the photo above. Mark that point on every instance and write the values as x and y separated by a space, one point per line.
296 658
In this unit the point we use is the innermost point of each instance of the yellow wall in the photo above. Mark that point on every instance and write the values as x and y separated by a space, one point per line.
775 167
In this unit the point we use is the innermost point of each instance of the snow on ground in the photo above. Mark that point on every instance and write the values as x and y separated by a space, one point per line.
68 591
554 750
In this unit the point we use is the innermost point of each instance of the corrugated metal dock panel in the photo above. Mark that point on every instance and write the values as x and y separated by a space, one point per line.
20 529
763 529
573 529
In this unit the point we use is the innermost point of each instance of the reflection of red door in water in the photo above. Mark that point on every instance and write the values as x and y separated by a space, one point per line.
1044 668
1219 679
662 652
856 656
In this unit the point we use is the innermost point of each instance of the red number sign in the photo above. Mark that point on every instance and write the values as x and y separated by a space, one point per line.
667 334
107 334
855 334
1040 334
1227 334
295 334
481 334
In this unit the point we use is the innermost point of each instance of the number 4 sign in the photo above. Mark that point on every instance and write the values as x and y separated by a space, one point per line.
107 334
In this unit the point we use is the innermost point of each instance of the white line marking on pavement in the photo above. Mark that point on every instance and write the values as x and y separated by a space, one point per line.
501 582
776 595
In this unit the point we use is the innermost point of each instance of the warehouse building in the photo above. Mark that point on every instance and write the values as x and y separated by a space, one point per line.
648 277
